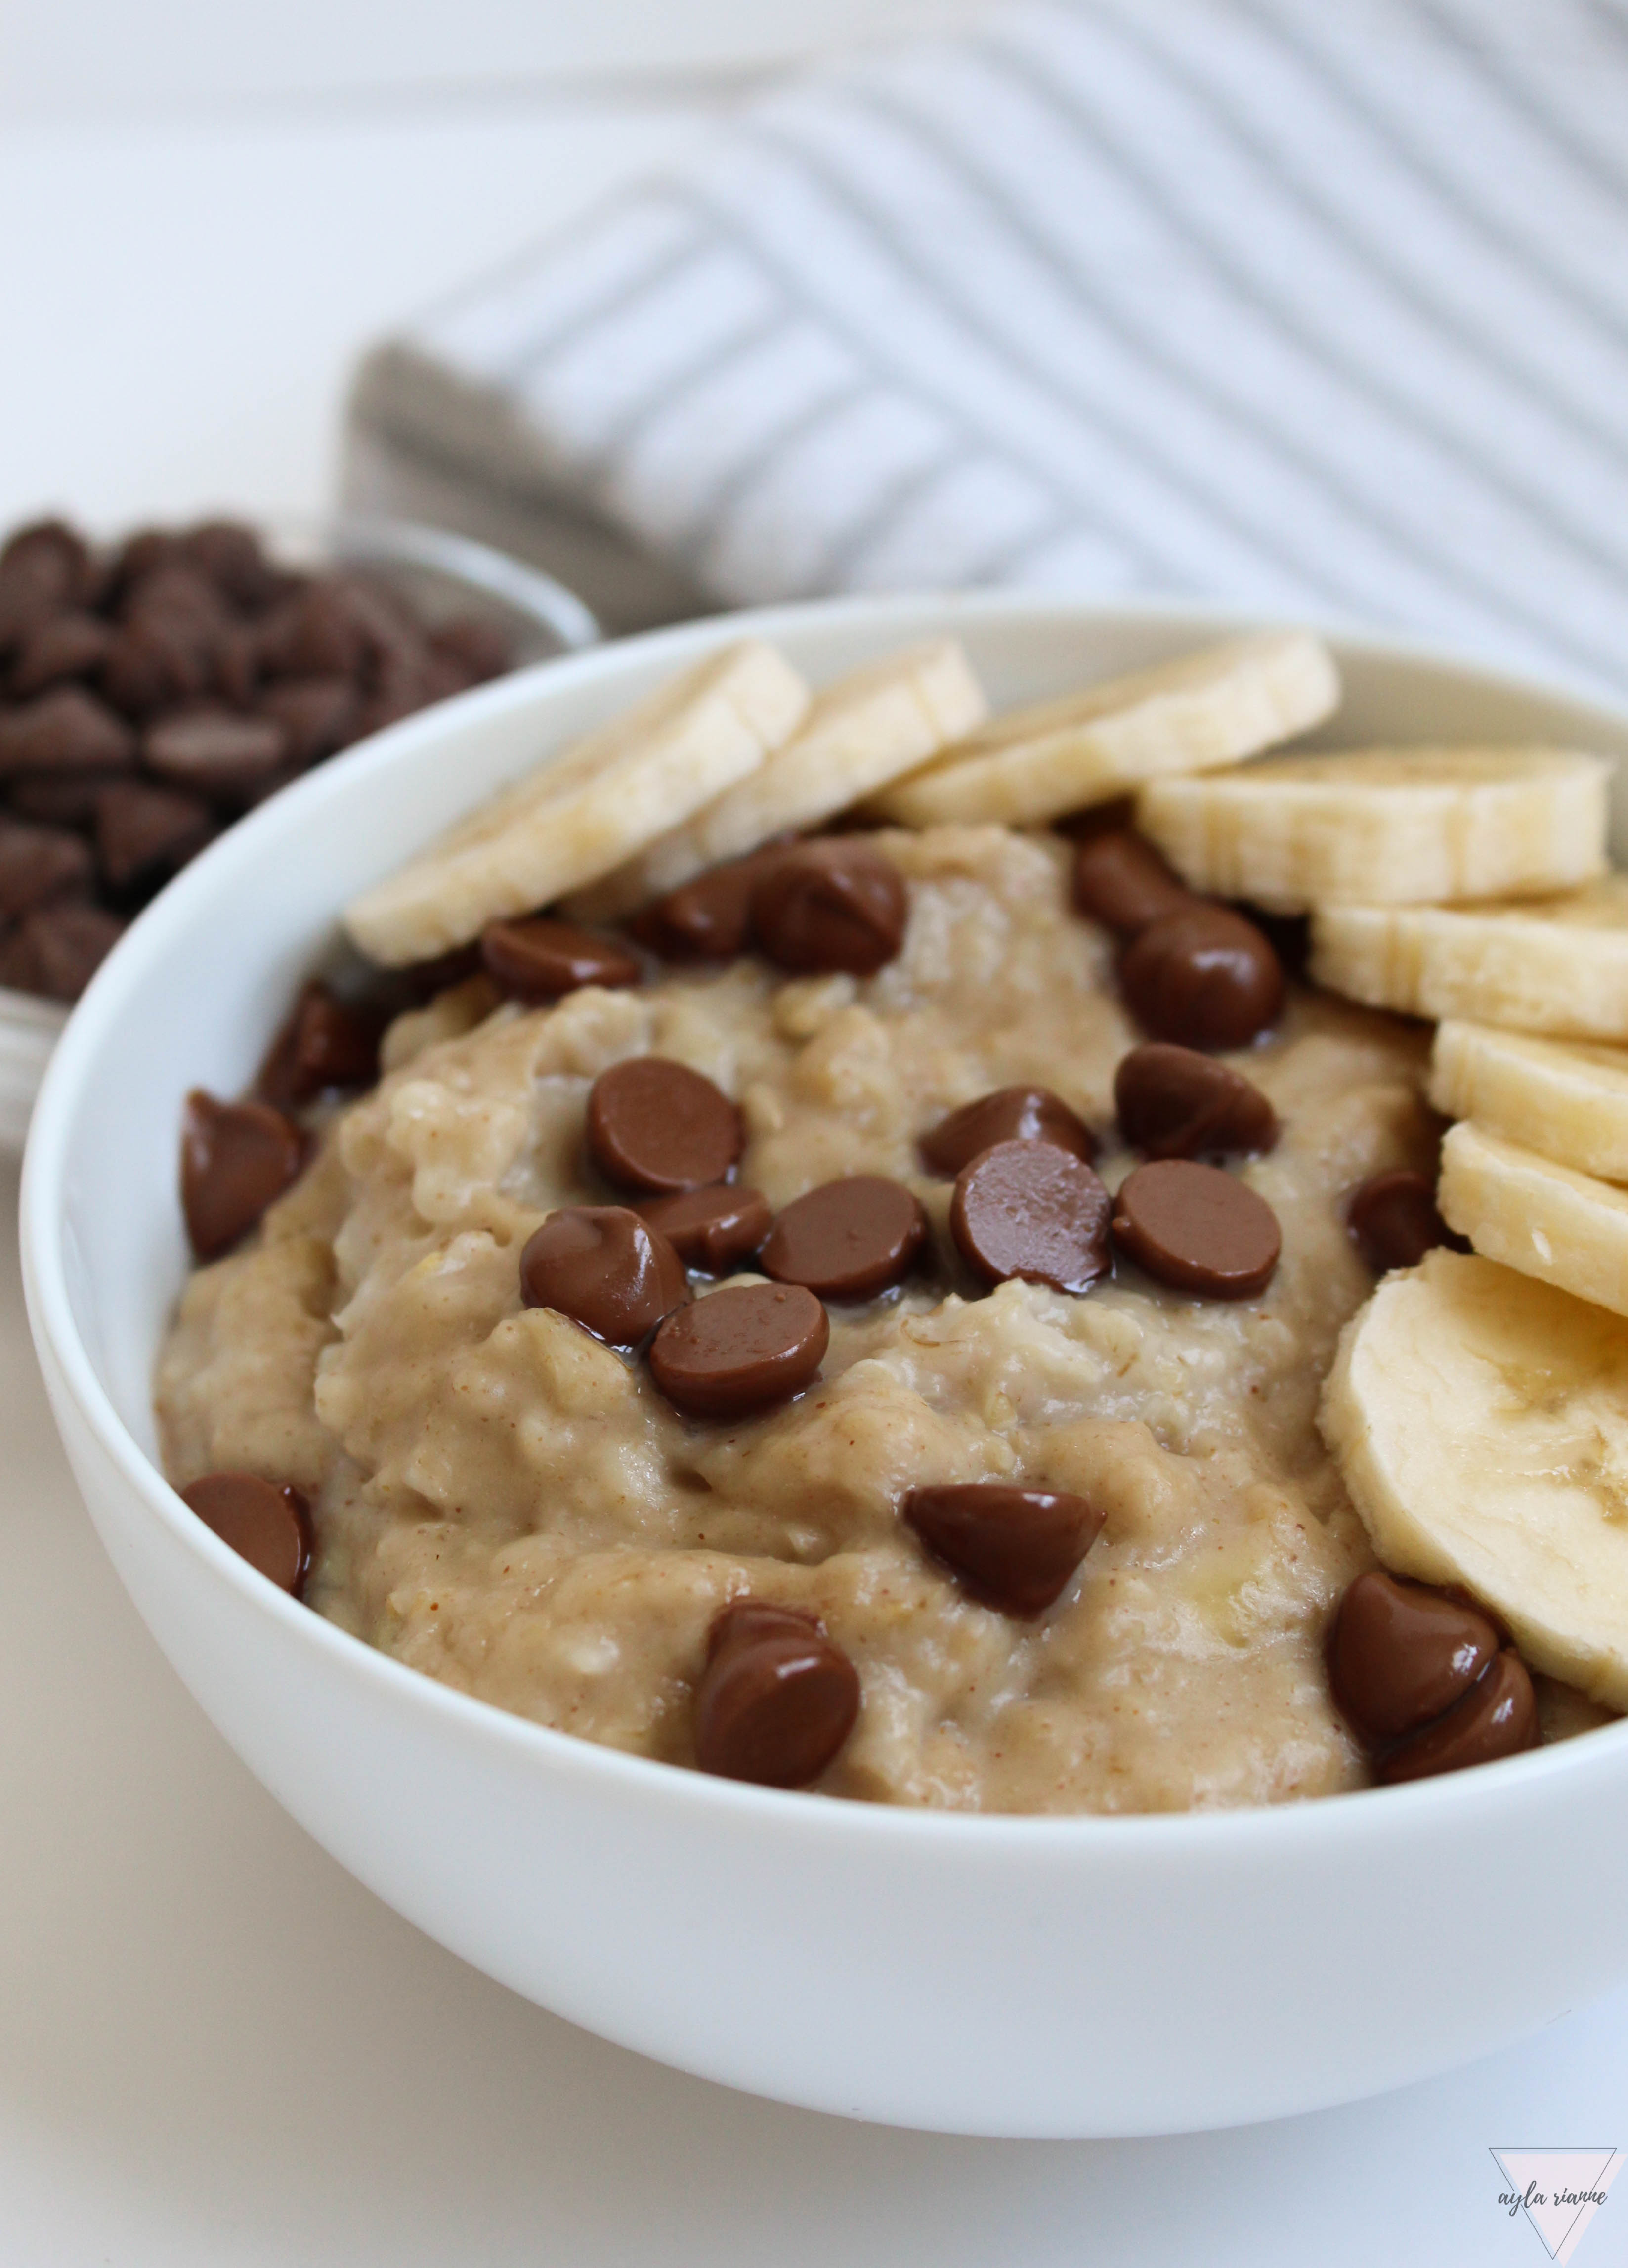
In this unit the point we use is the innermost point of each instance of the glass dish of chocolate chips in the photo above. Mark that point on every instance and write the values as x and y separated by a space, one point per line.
155 688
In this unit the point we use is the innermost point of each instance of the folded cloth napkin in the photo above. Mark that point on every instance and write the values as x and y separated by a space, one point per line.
1298 306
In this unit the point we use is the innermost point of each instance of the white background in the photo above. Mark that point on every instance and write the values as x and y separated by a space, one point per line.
215 2048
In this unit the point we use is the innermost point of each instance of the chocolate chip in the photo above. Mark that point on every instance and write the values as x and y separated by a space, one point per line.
1174 1102
56 950
776 1699
326 1045
317 632
1204 977
712 1230
59 798
317 715
1121 880
1011 1113
68 731
1031 1210
144 835
213 751
44 569
232 557
831 905
707 919
543 960
739 1349
476 651
1496 1717
237 664
1014 1548
1198 1229
60 647
37 864
656 1124
142 554
176 595
166 652
1400 1654
846 1239
1394 1220
605 1269
236 1158
268 1525
424 980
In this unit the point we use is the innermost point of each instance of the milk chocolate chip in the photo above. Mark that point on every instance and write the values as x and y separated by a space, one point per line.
1031 1210
1121 880
1496 1717
543 960
235 1158
711 1230
37 864
739 1349
777 1699
1011 1113
1174 1102
62 647
655 1124
325 1044
56 950
268 1525
214 752
1198 1229
831 905
707 919
68 731
1014 1547
846 1239
1402 1653
1204 977
605 1269
144 833
1394 1221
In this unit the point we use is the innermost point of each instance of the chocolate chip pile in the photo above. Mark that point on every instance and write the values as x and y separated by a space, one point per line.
150 695
1425 1681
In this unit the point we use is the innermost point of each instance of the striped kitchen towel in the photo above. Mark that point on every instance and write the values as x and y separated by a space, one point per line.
1292 305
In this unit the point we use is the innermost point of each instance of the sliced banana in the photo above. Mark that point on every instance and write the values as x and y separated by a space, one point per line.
577 817
1480 1421
1386 826
1214 707
863 731
1567 1100
1547 965
1566 1228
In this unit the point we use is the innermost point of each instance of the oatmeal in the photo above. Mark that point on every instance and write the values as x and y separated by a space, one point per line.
508 1503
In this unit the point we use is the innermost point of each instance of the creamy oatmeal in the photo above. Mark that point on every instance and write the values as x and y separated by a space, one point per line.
509 1505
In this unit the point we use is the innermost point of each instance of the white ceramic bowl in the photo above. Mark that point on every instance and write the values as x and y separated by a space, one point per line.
439 575
997 1976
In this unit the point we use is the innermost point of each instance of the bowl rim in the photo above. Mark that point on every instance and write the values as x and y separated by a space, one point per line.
1257 1831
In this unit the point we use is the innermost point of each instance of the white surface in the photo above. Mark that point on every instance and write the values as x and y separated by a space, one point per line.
199 292
666 1909
73 58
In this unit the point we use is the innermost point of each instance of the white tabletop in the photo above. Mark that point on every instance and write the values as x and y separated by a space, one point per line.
216 2048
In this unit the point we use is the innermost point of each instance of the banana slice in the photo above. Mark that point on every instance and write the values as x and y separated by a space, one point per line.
1391 826
578 816
860 732
1480 1421
1548 965
1213 707
1566 1228
1568 1102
